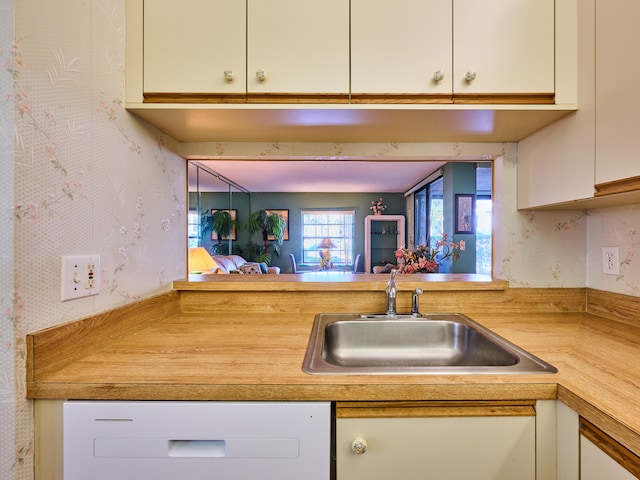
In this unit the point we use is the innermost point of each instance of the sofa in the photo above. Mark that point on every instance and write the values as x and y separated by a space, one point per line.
237 264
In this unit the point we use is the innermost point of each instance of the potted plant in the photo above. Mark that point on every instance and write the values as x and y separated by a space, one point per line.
220 222
268 224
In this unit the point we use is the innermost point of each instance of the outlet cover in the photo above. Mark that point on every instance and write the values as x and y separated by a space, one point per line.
80 276
610 261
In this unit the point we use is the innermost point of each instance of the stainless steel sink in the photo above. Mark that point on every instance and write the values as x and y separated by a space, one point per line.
412 344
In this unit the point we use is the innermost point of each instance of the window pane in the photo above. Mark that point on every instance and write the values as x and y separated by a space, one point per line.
193 228
483 236
436 211
337 226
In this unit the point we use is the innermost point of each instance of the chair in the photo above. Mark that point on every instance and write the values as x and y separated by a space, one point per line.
356 263
292 258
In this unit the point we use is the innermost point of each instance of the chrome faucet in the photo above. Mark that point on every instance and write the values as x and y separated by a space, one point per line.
392 293
415 308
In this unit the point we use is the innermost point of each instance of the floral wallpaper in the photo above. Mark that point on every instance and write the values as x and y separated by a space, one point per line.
88 178
7 371
79 175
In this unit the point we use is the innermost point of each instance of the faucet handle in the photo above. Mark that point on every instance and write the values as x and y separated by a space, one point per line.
414 301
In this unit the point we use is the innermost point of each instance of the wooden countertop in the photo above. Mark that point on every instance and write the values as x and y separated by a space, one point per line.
258 356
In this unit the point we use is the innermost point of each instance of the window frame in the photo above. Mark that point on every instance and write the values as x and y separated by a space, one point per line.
345 242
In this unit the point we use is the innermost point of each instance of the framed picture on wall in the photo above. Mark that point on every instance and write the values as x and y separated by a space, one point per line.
465 213
285 216
234 216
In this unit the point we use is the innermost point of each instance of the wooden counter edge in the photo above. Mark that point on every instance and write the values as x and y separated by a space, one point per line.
296 392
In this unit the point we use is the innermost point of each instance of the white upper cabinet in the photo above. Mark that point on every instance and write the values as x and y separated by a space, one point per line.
298 46
617 97
194 46
591 159
503 46
301 70
401 47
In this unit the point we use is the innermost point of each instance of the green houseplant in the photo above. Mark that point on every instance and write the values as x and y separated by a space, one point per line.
268 224
221 222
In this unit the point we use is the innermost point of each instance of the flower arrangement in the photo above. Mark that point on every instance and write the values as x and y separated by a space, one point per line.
425 259
377 207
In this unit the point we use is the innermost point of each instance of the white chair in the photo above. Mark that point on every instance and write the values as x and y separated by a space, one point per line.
292 258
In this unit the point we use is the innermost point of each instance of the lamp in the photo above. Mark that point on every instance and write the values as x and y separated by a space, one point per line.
325 246
200 260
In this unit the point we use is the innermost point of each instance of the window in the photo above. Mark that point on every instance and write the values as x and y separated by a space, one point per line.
484 220
429 216
483 234
429 205
336 225
193 228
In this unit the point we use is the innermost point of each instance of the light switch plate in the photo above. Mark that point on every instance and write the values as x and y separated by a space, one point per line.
80 276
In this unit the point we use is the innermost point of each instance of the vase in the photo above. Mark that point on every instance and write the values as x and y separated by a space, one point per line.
378 213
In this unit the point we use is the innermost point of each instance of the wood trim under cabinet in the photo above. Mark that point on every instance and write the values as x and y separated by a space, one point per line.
623 185
196 98
622 455
297 98
505 98
401 98
355 99
519 408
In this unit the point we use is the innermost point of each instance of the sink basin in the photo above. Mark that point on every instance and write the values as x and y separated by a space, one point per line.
412 344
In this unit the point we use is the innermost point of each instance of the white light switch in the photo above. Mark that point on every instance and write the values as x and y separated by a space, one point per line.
80 276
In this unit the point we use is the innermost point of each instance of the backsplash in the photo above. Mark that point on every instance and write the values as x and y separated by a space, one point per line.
91 179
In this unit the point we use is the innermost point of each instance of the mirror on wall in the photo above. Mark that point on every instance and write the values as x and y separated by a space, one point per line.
295 186
210 197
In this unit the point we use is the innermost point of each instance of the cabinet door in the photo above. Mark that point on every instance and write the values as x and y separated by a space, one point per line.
188 46
508 45
482 448
617 98
597 465
397 46
302 46
566 149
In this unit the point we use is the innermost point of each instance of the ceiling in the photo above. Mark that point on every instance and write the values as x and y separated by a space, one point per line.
312 175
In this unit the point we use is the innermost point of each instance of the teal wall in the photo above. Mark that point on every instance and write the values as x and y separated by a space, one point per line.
459 178
295 203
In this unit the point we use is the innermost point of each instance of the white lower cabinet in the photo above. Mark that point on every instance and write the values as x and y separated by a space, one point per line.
597 465
441 447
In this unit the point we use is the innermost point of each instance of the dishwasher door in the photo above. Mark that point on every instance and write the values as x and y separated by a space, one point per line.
197 440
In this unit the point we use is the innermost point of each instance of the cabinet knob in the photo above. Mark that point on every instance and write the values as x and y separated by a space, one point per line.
470 76
261 75
359 446
438 76
228 75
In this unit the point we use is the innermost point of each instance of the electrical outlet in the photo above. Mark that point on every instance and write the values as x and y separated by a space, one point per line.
610 261
80 276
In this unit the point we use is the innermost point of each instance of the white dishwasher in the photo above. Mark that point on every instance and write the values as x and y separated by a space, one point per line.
124 440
